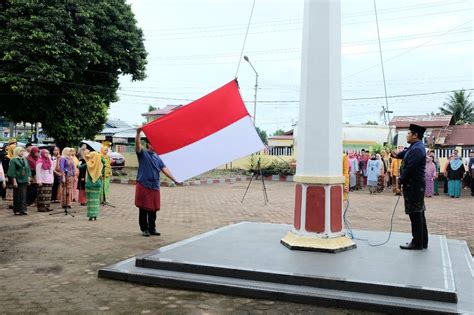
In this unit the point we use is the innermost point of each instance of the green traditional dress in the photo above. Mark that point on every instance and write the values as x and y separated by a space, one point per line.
93 191
20 170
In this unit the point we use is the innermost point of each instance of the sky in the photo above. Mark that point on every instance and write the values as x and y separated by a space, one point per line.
194 47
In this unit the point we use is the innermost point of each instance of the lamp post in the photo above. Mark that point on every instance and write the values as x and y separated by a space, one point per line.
256 87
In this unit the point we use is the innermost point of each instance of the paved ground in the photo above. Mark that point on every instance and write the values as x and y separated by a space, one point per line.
48 264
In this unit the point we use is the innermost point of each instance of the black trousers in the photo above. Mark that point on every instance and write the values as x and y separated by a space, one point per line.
19 198
419 230
472 186
3 192
31 194
147 220
54 191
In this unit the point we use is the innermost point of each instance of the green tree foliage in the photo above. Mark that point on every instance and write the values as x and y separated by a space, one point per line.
262 134
152 108
279 132
60 62
371 122
460 106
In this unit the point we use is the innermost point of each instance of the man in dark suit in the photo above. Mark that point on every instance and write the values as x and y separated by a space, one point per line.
412 180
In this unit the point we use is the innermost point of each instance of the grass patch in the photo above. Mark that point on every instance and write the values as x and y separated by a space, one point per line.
131 172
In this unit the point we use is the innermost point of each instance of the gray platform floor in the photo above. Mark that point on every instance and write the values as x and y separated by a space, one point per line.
444 270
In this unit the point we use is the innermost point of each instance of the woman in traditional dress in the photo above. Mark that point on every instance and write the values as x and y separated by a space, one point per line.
455 172
382 171
104 195
373 173
353 170
94 173
3 182
3 157
81 180
44 180
32 190
55 192
10 155
430 175
345 173
435 181
68 172
19 172
75 194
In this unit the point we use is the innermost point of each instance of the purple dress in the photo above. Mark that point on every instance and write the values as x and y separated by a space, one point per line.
430 175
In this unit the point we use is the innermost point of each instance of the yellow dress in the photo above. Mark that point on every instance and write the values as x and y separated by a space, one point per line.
345 172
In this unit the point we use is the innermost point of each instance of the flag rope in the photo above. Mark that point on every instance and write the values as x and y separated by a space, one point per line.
245 39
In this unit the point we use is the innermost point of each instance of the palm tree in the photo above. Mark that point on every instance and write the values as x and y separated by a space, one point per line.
460 106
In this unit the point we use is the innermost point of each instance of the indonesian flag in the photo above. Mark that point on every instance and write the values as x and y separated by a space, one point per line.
209 132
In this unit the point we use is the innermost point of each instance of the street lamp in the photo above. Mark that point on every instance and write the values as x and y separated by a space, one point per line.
256 87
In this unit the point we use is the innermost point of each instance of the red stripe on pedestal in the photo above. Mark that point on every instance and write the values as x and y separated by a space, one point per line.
315 209
298 196
336 209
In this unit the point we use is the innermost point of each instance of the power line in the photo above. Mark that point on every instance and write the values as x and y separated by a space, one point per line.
297 101
189 35
299 57
299 20
409 50
298 49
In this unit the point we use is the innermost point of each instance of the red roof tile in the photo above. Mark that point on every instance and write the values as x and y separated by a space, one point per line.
461 135
453 135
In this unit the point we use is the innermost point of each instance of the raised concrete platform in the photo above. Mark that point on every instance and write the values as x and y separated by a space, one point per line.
247 259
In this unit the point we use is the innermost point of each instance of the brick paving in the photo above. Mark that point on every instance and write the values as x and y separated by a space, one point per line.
48 264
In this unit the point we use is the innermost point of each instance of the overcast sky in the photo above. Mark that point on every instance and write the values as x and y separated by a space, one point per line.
194 48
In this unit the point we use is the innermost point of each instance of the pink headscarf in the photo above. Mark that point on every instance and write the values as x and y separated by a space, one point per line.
45 161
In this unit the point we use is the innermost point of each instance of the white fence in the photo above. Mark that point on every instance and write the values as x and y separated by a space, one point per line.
445 153
281 151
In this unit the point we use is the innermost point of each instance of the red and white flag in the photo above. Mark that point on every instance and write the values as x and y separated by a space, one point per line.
207 133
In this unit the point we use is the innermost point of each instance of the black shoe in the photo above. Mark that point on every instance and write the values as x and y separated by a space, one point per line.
90 219
411 246
95 218
23 213
155 232
146 233
424 246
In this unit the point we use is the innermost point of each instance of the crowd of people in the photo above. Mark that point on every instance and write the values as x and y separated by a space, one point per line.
381 171
31 177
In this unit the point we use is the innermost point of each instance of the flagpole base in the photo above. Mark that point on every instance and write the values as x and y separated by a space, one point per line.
317 244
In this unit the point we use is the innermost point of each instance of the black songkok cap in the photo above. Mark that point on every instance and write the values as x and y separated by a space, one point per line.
417 129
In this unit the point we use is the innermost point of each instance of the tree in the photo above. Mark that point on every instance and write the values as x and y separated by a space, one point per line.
279 132
460 106
371 122
152 108
262 134
61 60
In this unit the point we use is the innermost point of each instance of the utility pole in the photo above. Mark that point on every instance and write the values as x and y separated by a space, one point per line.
256 88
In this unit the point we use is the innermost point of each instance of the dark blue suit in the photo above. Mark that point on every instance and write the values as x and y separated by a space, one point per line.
412 177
